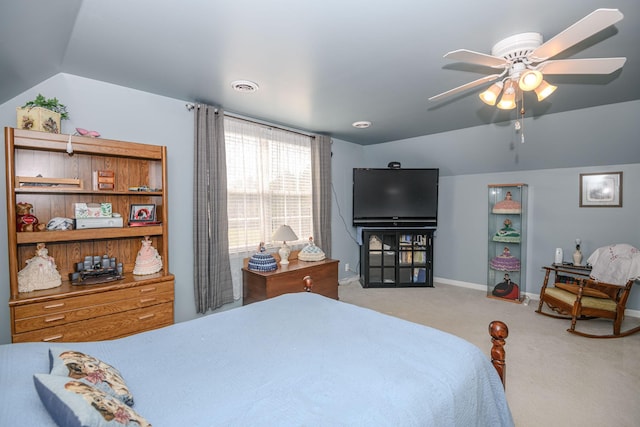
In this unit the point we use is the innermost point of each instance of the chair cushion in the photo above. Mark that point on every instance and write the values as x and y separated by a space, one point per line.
586 291
569 298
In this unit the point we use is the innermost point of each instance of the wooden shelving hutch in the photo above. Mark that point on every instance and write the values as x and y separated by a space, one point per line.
86 312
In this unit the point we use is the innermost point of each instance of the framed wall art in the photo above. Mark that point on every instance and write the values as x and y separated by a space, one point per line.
601 189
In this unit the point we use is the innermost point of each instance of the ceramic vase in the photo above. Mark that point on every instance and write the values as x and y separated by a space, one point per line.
577 257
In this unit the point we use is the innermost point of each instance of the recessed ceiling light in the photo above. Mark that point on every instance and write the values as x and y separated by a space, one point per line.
244 86
363 124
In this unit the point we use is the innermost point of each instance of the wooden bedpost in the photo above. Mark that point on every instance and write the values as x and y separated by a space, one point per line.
499 331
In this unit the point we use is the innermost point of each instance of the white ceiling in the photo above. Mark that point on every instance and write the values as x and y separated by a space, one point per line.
320 65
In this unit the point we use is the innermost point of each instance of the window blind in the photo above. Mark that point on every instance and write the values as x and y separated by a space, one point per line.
268 183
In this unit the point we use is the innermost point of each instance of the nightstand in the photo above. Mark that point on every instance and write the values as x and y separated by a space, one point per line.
258 285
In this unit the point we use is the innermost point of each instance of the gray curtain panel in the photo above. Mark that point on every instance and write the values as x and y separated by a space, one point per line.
321 182
211 269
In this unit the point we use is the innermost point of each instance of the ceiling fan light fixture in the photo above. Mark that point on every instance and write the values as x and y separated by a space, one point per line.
508 100
544 89
490 96
530 80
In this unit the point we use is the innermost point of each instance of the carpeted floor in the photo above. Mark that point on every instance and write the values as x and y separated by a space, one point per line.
554 378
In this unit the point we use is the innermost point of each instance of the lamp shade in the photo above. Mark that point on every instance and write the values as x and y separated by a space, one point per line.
490 95
530 79
508 100
545 89
284 233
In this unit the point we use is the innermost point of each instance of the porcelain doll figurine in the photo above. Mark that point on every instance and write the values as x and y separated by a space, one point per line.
148 260
40 272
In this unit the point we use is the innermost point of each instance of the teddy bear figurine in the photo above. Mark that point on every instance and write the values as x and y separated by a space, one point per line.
25 220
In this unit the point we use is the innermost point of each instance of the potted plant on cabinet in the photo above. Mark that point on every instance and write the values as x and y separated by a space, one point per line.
43 114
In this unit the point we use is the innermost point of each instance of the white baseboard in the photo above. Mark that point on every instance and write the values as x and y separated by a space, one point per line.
536 297
348 280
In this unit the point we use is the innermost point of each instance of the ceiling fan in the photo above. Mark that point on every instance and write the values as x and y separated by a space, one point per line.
524 60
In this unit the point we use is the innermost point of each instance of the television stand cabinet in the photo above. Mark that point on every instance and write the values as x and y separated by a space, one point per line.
396 257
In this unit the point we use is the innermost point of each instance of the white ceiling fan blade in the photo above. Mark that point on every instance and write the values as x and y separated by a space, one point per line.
582 66
591 24
464 87
472 57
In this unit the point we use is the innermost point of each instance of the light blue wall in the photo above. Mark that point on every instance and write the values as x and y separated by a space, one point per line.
128 115
555 220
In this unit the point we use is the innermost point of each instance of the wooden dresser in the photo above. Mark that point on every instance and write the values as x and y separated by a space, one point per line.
93 312
258 286
55 172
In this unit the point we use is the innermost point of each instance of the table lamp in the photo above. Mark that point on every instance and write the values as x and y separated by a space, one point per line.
284 233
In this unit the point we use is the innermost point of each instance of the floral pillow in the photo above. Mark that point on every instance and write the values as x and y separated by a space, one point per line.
73 403
91 371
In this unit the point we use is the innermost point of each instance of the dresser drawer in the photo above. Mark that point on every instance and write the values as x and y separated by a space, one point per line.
324 276
105 327
55 308
88 312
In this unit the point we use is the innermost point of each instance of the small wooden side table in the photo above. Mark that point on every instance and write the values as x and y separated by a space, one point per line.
258 286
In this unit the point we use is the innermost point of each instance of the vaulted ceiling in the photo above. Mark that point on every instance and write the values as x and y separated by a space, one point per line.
320 65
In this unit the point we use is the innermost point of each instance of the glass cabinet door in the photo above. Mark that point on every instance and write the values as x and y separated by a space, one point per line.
393 257
507 241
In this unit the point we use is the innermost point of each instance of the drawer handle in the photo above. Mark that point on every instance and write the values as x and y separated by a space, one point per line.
50 306
146 316
147 290
308 284
147 300
53 319
53 338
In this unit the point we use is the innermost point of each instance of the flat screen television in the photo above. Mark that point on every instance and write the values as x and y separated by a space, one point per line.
395 197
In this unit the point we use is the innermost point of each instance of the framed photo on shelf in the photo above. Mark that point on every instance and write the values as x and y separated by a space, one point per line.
142 213
601 189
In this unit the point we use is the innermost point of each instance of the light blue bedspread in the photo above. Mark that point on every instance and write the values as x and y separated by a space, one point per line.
295 360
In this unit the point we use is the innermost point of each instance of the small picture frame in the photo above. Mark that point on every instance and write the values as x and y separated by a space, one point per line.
602 189
142 213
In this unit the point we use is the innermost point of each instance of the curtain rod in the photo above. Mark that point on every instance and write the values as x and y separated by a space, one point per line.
191 107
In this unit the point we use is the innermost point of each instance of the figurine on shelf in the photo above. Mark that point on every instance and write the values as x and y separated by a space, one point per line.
40 272
507 233
25 220
505 261
148 260
506 289
508 205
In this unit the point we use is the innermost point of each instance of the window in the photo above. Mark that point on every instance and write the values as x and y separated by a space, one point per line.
268 183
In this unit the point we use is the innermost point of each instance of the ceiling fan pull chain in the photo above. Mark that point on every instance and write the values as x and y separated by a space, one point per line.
522 117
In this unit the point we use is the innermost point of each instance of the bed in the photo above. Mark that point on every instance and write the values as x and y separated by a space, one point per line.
297 359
